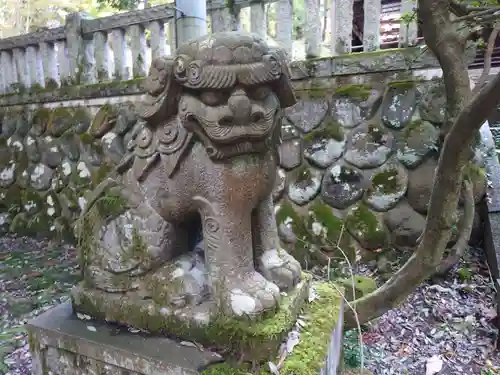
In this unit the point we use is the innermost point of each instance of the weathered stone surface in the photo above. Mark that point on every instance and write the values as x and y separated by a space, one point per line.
8 175
342 186
291 148
61 343
387 186
366 227
418 141
40 176
307 114
405 225
432 105
347 112
279 185
32 149
199 163
399 104
420 182
325 145
369 147
305 185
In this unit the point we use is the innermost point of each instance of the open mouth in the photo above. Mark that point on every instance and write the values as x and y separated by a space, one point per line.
225 131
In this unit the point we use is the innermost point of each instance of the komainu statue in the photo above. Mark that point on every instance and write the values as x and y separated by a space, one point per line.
185 227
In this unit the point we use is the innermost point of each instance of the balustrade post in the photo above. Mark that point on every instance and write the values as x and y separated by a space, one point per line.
101 55
342 17
258 21
191 18
284 25
3 78
408 32
79 51
312 26
138 49
23 78
158 43
35 66
49 64
119 46
371 29
9 70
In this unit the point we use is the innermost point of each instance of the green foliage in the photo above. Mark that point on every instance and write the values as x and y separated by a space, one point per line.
352 353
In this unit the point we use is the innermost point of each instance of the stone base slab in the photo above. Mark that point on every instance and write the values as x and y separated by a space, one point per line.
63 344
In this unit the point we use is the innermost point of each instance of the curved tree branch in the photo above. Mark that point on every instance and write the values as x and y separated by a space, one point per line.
444 198
487 58
458 250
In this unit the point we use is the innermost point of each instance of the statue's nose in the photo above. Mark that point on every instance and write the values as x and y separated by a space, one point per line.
240 105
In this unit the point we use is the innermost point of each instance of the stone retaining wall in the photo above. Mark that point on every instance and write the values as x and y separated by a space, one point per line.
356 170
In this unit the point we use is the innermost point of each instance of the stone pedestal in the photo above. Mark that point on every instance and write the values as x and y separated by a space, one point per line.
63 344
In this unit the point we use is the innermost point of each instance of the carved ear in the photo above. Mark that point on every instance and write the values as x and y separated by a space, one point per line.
284 90
162 92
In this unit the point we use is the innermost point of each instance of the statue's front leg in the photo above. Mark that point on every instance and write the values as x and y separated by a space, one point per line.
272 261
239 290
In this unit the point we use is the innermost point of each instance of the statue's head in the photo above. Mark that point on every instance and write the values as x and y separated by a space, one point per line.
227 88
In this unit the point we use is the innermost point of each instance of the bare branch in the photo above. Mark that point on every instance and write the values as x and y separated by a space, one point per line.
479 16
458 9
444 199
487 58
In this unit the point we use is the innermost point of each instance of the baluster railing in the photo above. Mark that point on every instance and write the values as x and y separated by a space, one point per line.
121 46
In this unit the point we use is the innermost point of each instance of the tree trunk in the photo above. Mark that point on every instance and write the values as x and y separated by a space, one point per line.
463 119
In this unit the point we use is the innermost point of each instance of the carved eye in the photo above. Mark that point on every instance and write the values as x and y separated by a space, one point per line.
260 93
212 98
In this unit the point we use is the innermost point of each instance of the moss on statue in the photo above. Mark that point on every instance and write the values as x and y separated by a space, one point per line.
102 204
259 340
331 130
356 92
309 356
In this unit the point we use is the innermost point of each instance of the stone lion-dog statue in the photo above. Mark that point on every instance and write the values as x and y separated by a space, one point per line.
205 156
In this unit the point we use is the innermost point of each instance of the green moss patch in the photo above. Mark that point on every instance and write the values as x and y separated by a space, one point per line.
287 215
309 356
366 227
363 285
386 181
329 232
357 92
331 130
256 341
405 84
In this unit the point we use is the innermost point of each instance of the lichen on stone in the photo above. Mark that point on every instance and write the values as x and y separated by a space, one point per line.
305 185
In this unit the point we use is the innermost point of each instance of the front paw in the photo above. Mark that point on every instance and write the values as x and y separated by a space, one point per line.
281 268
252 295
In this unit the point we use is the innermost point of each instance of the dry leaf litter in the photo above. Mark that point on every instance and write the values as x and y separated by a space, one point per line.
442 328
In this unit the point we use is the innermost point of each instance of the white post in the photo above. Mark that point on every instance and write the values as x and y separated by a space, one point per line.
191 17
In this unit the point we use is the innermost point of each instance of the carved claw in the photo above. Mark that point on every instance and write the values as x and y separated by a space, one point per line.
252 296
281 268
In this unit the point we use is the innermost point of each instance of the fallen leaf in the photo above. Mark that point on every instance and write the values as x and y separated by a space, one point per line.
91 328
433 365
188 343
